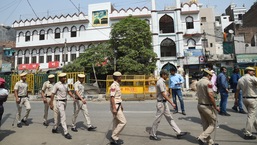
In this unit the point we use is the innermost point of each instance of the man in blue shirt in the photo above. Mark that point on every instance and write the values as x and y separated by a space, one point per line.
233 83
175 85
222 85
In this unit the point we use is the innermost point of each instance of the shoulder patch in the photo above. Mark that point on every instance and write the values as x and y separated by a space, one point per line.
112 89
210 86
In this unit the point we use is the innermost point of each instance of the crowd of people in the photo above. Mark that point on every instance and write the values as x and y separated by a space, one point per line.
54 96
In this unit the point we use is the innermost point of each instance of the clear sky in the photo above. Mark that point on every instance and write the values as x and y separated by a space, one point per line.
11 10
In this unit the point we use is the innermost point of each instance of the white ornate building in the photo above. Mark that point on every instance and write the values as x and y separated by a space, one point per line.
49 42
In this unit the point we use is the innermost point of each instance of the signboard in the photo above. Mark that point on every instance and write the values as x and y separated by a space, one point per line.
246 58
53 64
100 18
192 56
28 66
6 67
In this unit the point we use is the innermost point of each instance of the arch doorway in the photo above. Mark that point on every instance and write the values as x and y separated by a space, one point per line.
168 66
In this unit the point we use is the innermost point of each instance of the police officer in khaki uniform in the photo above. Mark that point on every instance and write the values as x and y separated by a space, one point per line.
61 90
206 108
80 104
248 85
119 120
46 96
21 95
163 108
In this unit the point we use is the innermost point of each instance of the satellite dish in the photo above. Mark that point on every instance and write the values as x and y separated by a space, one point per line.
230 31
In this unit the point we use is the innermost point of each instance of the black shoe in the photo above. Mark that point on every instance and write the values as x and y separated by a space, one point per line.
25 122
154 138
226 114
242 111
45 124
181 134
120 141
55 131
222 114
74 129
91 128
116 142
19 125
175 112
215 144
250 137
68 136
235 108
184 113
200 142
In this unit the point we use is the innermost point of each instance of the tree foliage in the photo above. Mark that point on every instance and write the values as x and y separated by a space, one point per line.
132 39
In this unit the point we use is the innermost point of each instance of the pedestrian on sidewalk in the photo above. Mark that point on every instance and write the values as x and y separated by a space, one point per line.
119 120
163 108
248 85
206 108
222 84
21 95
61 90
80 104
175 85
46 97
238 104
3 97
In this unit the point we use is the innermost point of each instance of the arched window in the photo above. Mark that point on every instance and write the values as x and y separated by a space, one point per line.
34 33
166 24
34 56
57 33
42 35
41 55
73 32
147 21
189 22
49 55
168 48
27 55
81 49
73 55
20 35
191 43
27 36
82 28
57 54
65 31
49 33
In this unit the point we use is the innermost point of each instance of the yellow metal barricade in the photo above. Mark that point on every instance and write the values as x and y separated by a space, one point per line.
29 80
134 87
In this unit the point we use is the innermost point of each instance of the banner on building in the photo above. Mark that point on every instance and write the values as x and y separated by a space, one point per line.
100 18
53 64
32 66
192 56
246 58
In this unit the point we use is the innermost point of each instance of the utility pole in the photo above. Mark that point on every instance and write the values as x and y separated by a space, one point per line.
64 52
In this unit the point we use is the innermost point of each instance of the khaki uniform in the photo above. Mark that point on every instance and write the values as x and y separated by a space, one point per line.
61 91
206 110
119 121
79 105
47 88
163 109
22 89
248 85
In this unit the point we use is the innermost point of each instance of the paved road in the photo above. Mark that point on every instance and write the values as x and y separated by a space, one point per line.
140 116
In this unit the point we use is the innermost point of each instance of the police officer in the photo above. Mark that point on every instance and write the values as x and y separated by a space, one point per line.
163 108
206 108
46 96
119 120
248 85
80 104
61 90
21 95
3 97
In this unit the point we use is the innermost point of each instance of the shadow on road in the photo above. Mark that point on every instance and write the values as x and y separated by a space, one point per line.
5 133
5 118
191 119
232 130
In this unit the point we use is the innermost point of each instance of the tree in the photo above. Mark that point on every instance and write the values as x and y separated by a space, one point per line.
100 56
132 39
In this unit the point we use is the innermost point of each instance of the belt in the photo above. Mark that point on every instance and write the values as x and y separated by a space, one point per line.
250 97
205 104
62 100
162 101
22 96
48 96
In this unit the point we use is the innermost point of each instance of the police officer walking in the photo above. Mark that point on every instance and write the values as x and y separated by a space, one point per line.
21 95
119 120
248 85
163 108
46 96
80 104
3 97
61 90
206 108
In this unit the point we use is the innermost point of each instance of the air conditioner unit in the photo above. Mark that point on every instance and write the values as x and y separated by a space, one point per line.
61 64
